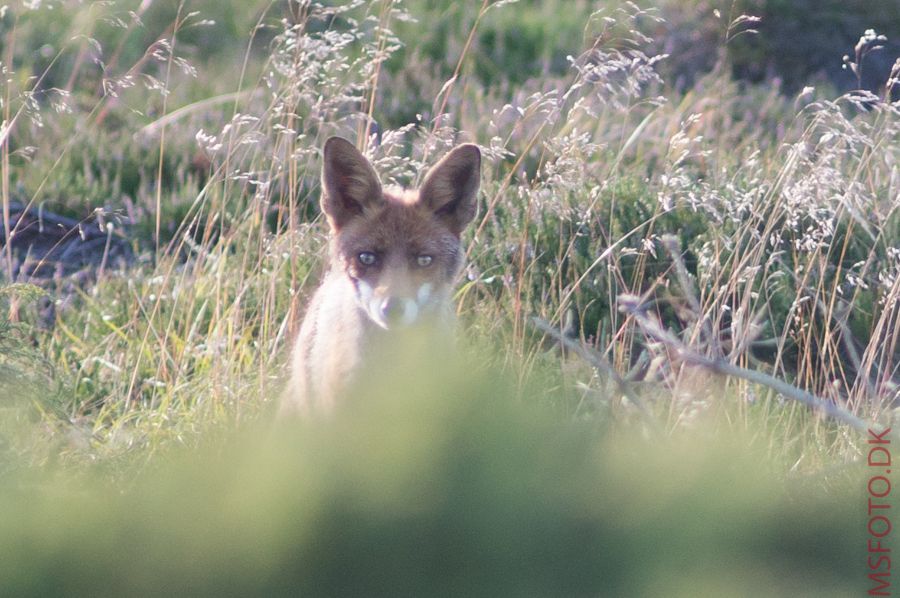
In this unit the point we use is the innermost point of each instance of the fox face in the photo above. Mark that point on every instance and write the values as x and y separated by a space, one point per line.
400 249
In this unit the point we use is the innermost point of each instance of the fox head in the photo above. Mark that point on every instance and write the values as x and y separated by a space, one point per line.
401 249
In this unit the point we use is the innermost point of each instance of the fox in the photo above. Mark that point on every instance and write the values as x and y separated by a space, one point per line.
394 257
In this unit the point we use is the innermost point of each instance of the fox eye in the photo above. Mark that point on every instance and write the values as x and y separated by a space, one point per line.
366 258
424 260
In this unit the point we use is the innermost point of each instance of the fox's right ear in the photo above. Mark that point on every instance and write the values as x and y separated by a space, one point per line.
451 186
349 182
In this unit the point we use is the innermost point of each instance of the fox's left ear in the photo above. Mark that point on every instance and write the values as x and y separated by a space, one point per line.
451 187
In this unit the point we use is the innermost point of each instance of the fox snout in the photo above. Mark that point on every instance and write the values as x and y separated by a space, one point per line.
391 308
398 310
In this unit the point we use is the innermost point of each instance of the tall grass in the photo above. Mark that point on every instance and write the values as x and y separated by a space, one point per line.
785 209
654 226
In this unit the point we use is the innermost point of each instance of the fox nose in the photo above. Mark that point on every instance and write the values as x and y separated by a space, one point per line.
392 309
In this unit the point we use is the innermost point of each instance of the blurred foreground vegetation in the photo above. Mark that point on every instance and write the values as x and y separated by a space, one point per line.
440 484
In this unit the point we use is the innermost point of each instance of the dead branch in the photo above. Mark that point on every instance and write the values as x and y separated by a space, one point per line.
654 330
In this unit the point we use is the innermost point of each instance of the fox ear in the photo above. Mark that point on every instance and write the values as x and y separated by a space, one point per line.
451 187
349 183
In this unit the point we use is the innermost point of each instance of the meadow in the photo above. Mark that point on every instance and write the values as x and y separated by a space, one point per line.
679 316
